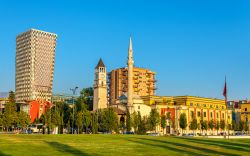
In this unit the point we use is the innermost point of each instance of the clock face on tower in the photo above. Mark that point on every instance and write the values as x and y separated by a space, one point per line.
102 76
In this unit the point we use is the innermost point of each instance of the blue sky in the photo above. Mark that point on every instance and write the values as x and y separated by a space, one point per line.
191 45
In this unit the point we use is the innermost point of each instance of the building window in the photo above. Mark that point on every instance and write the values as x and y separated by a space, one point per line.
138 107
198 105
211 106
192 114
222 115
211 114
204 105
205 114
217 107
217 115
245 109
191 104
199 114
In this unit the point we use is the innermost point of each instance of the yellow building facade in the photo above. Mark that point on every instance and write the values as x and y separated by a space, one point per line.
194 107
245 112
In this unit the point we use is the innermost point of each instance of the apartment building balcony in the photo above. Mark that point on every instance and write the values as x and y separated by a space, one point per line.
135 78
152 88
136 74
152 80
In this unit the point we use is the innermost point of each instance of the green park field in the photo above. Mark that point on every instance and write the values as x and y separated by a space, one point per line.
119 145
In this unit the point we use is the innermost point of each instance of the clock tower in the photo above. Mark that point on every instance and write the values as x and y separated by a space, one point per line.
100 87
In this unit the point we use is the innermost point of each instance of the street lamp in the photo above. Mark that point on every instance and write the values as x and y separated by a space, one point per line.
74 92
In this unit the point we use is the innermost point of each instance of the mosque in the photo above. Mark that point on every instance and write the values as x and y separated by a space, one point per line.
133 89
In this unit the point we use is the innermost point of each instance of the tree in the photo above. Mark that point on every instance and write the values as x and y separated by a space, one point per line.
128 121
135 121
1 122
163 122
234 127
79 121
211 125
86 119
110 120
222 125
56 118
241 125
217 126
246 127
94 122
204 125
142 124
154 119
47 119
86 99
10 115
23 119
183 121
193 125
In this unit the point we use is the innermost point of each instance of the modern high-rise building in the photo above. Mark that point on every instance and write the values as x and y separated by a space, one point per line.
35 59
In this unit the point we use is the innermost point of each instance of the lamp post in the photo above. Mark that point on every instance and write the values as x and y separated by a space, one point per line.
74 92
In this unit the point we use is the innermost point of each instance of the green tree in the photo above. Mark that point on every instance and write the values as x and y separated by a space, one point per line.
204 125
110 120
154 119
85 99
128 121
55 118
241 125
23 119
163 122
222 125
135 121
1 122
217 126
211 124
142 124
193 125
183 121
47 119
94 122
246 127
234 127
10 114
79 121
86 119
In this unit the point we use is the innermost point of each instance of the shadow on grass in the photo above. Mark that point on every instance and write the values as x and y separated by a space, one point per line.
227 145
2 154
180 151
66 148
201 149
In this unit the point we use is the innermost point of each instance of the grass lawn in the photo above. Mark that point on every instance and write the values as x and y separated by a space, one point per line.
119 145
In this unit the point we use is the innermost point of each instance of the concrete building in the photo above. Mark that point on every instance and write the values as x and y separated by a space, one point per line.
100 100
4 98
144 83
35 59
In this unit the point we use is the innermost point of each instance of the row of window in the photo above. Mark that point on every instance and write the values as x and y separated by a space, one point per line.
205 105
205 114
